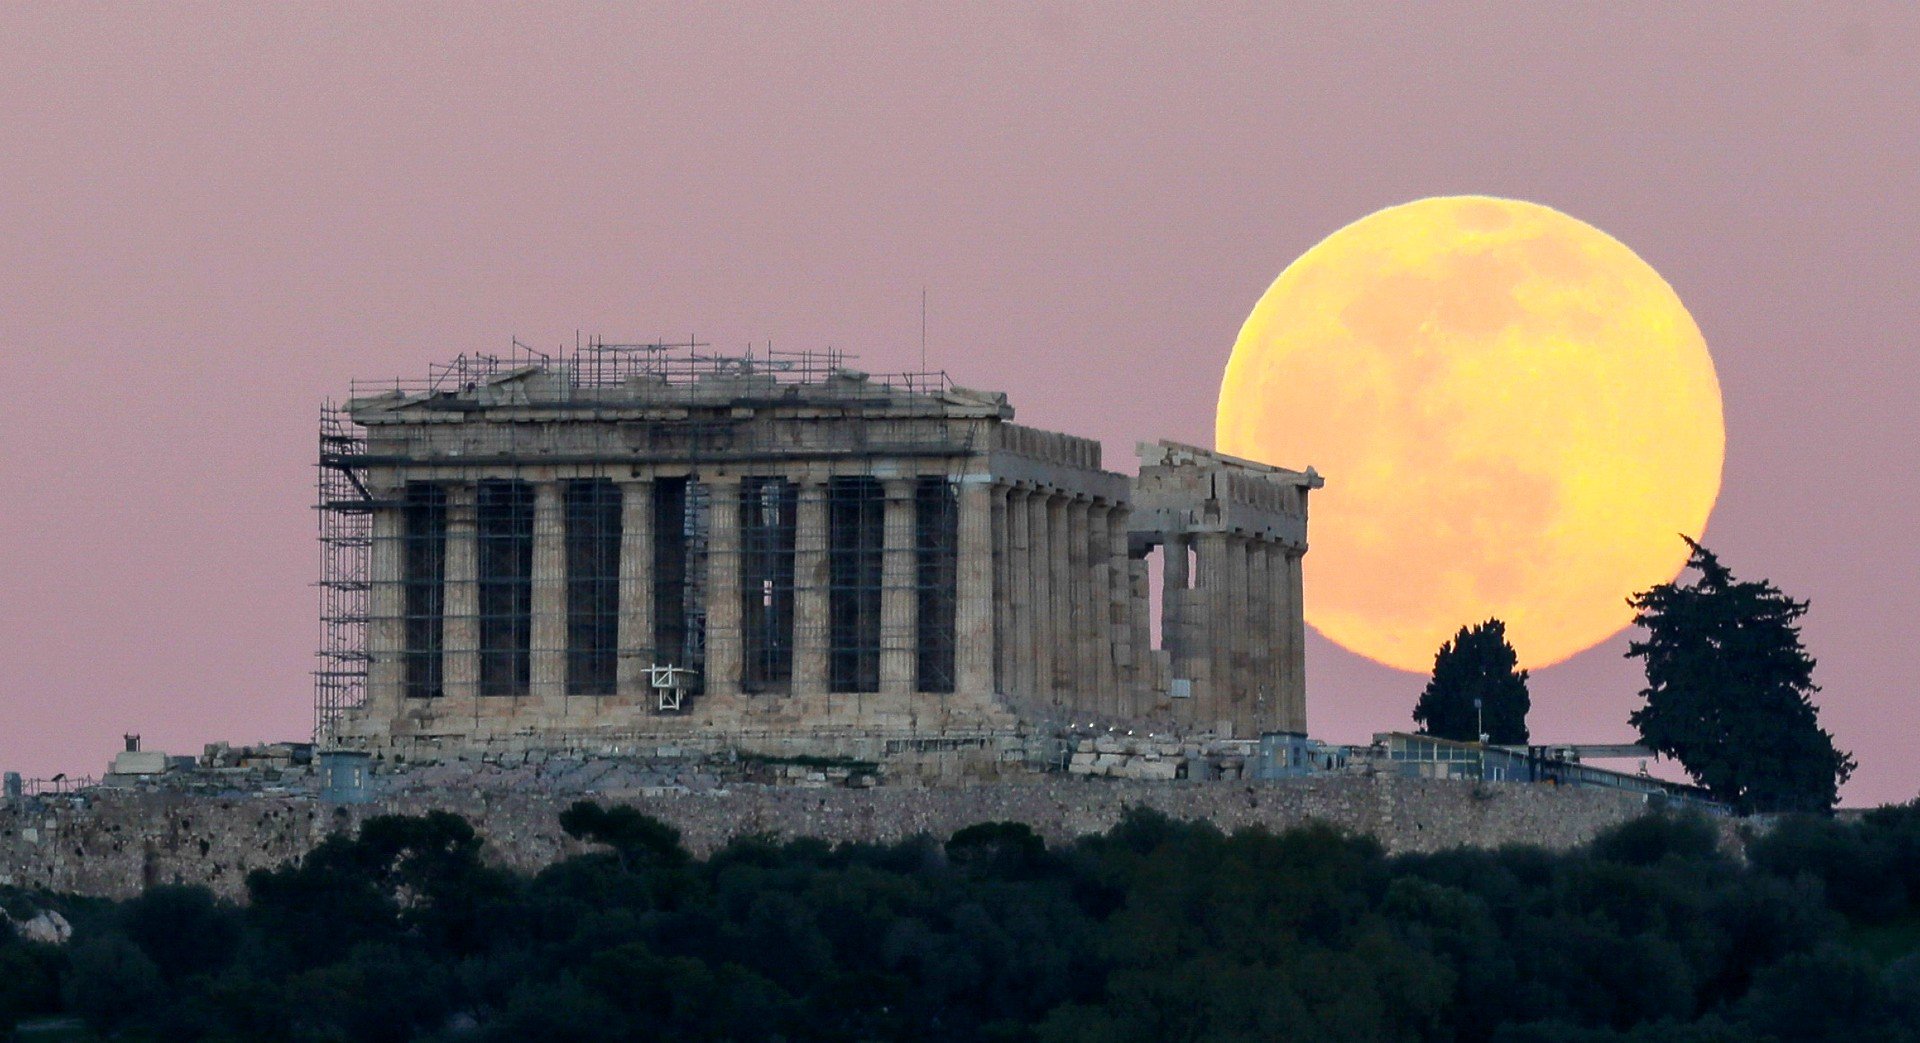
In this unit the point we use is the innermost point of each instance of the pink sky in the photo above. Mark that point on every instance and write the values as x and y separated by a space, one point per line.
214 216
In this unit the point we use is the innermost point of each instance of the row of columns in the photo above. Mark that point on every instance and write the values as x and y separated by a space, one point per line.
1049 603
1234 629
899 631
1063 619
899 590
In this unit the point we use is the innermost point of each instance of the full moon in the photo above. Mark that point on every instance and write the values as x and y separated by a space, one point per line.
1515 414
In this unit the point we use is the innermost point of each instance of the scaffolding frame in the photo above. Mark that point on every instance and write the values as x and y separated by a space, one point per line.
599 364
769 528
936 581
345 510
682 519
592 524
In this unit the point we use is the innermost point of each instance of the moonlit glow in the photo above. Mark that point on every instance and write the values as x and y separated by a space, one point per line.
1515 415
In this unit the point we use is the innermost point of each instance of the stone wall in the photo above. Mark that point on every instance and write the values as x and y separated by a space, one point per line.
114 843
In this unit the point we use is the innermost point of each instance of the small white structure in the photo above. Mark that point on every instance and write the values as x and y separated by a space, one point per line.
670 684
139 762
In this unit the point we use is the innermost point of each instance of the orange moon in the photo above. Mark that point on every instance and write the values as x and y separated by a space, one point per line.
1515 416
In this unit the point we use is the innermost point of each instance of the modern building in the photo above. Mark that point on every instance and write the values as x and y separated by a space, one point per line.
1427 756
649 542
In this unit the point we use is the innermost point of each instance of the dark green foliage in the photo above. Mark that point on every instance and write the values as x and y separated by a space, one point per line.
1155 930
1894 831
998 849
401 877
29 980
1825 996
1650 839
1477 664
639 839
1729 691
183 930
110 982
1858 875
1869 869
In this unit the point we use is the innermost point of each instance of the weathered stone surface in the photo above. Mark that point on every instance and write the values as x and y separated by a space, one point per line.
46 927
117 843
1150 768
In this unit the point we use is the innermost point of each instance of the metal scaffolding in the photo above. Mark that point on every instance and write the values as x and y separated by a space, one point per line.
598 364
346 536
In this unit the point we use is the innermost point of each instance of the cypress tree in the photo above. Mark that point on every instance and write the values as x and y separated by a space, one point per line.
1729 691
1477 664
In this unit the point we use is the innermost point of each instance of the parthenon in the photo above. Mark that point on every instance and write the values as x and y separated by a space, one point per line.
644 540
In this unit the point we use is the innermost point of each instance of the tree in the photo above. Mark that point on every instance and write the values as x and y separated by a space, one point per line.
111 982
1477 664
639 840
1729 691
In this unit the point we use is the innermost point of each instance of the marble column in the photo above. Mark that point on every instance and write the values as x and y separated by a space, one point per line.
1174 608
460 633
1144 677
1040 596
1020 593
1079 608
1238 693
1263 696
973 631
1119 615
724 645
1002 604
1297 643
636 589
1100 610
810 581
1280 615
1215 644
899 607
386 614
548 645
1060 600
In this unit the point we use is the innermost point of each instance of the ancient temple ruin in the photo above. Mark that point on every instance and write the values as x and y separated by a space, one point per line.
650 543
